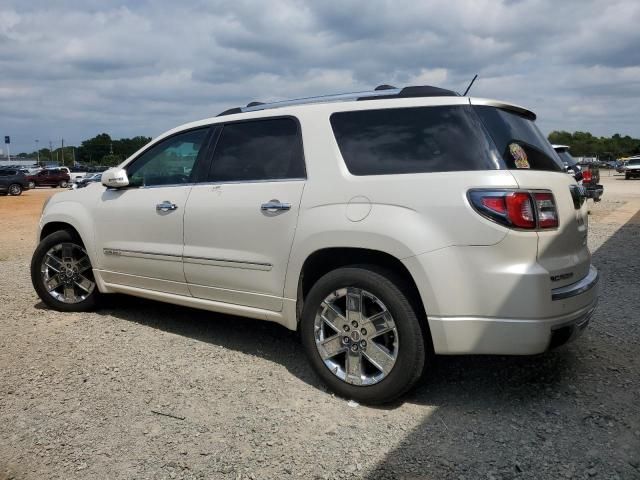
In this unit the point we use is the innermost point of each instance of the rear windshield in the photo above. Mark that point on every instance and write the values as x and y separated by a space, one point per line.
520 143
414 140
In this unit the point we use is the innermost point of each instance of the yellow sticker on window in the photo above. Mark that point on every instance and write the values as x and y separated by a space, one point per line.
519 155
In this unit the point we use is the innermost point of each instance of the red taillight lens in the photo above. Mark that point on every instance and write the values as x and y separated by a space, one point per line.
586 176
546 207
497 204
516 209
520 210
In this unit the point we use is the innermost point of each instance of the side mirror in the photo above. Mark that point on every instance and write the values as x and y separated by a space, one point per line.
115 178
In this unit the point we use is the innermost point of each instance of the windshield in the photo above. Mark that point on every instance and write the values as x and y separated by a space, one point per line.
633 162
519 141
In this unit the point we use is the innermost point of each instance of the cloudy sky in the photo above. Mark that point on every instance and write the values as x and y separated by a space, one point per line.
76 68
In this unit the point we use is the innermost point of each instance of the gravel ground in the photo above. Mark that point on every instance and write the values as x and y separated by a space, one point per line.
146 390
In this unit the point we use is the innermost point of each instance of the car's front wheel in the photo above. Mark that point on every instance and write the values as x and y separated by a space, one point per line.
15 189
362 335
63 184
62 274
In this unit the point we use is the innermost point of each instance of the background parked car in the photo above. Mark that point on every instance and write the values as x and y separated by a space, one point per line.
632 168
12 181
586 173
89 178
53 177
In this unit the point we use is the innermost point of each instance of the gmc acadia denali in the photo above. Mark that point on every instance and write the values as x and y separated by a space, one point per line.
384 226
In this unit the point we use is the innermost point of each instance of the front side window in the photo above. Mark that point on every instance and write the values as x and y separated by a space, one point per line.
269 149
413 140
169 162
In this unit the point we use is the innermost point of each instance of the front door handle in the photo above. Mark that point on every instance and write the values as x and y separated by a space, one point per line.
166 206
274 206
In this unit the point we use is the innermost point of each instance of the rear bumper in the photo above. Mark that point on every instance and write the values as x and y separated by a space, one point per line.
502 336
595 192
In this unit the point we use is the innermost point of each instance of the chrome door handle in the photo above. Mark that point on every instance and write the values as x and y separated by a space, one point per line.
274 206
166 206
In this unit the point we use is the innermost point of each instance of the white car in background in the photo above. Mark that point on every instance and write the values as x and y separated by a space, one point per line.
385 226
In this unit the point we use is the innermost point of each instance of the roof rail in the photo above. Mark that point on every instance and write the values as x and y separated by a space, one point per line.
381 92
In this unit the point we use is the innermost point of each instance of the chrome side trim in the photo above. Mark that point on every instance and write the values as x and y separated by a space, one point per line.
576 288
225 262
141 254
221 262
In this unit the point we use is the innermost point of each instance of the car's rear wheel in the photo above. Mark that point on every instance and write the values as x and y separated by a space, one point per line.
62 274
15 189
362 335
63 184
32 185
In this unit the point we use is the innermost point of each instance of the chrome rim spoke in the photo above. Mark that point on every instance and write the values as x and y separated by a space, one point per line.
53 282
379 324
332 347
354 305
66 273
84 283
333 317
379 357
83 264
354 368
346 324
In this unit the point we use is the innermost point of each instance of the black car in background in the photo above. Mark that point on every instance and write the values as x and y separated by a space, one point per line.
586 173
12 181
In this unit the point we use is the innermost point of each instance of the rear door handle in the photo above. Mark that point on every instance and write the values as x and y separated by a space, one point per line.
274 206
166 206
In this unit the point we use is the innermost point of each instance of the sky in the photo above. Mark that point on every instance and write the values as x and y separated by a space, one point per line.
77 68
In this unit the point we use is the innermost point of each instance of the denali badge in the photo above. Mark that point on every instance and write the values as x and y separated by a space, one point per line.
108 251
564 276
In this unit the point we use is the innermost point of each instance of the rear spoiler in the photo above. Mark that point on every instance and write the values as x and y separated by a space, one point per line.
505 106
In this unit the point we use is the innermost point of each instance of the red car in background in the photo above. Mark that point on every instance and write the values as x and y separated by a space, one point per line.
51 177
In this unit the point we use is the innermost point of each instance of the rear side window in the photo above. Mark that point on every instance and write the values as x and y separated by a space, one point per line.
268 149
520 143
413 140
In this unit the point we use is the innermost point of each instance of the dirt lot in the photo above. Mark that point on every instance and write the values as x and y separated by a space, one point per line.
145 390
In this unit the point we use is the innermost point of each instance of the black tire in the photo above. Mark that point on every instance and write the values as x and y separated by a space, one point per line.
627 176
15 189
50 241
411 355
32 185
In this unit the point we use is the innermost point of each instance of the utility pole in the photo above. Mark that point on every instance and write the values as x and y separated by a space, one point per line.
73 152
50 151
62 150
38 151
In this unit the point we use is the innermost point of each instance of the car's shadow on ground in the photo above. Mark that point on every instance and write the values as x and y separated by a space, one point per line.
445 375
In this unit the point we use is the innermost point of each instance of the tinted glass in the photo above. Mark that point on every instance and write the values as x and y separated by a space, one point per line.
6 173
519 140
170 162
633 162
413 140
258 150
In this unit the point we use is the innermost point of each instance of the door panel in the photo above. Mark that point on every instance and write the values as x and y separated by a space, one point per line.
135 239
234 251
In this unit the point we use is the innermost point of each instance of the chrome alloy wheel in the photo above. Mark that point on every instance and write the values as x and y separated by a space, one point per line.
63 273
15 189
356 336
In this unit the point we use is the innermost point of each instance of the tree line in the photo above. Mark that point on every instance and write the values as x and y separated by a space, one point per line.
99 150
583 144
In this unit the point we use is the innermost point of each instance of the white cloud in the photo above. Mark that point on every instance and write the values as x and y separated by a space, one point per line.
138 67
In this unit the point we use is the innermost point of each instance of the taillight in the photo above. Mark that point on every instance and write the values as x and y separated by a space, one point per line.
586 176
517 208
546 208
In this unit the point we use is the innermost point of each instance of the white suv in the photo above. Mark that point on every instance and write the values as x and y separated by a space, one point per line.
384 226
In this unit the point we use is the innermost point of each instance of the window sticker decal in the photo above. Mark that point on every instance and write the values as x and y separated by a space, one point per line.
519 155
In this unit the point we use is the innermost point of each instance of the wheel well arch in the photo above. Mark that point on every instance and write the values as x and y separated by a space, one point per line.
325 260
53 227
